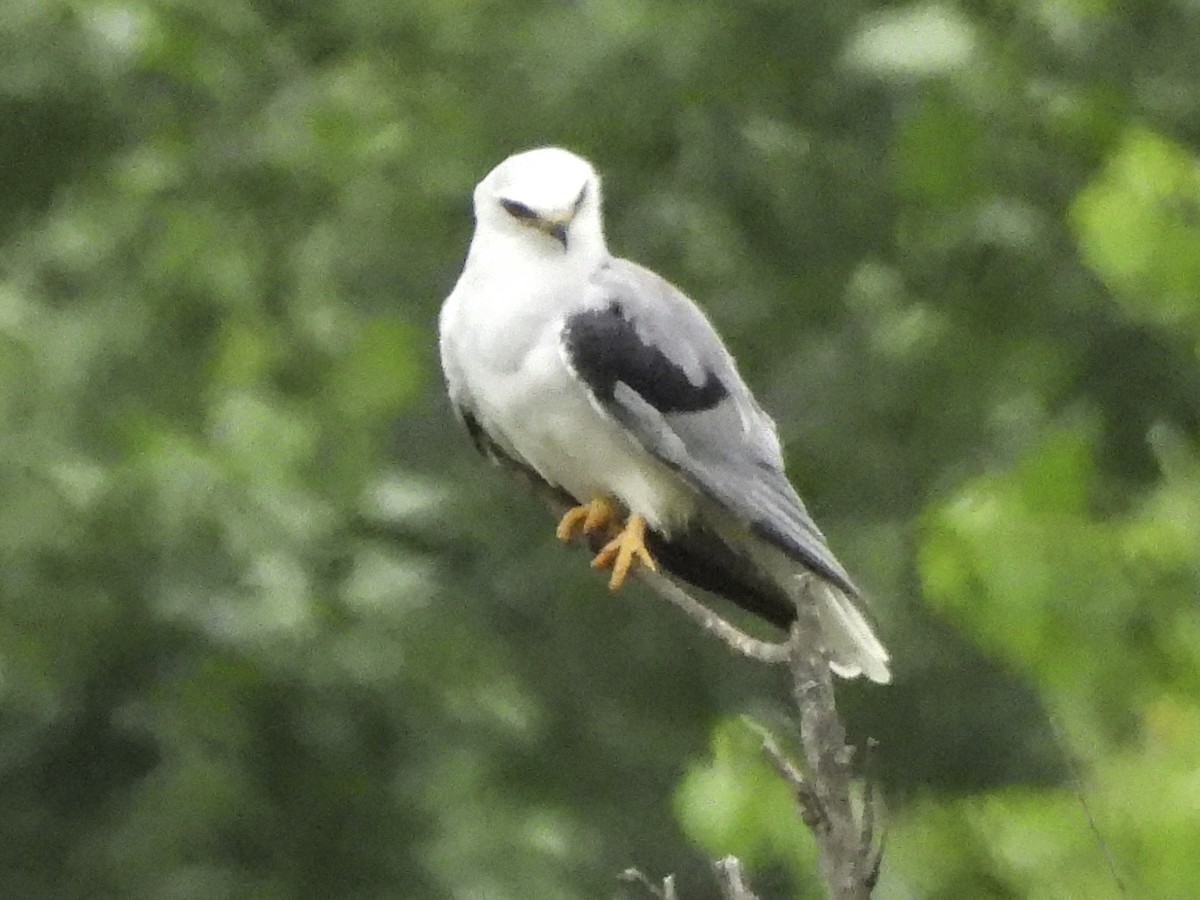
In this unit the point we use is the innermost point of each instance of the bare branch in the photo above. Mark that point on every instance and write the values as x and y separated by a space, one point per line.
872 814
810 806
1075 770
669 589
844 840
730 878
666 892
715 625
849 855
845 836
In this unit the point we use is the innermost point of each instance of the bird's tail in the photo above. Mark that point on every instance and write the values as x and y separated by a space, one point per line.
849 638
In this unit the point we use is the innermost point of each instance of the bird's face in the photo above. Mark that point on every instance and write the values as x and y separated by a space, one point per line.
549 199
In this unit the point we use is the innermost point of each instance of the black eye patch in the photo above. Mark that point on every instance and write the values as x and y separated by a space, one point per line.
518 210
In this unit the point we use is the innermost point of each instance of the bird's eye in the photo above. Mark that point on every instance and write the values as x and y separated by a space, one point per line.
518 210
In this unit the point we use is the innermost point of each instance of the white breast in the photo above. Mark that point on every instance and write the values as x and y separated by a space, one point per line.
506 354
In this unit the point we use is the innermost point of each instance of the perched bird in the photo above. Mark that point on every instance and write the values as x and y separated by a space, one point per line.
598 377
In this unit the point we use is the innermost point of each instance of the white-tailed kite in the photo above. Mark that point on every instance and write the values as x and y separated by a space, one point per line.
603 380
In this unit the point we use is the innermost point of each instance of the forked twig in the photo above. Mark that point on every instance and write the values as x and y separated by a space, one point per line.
665 892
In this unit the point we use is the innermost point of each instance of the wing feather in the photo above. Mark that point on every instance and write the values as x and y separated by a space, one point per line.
651 360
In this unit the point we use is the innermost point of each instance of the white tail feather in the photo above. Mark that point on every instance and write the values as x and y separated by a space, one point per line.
849 639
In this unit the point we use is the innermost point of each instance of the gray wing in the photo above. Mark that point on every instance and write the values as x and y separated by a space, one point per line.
653 362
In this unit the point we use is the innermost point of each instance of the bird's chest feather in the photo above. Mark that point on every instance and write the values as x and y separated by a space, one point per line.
527 399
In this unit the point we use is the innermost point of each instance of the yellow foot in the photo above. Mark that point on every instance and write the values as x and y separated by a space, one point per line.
596 514
623 551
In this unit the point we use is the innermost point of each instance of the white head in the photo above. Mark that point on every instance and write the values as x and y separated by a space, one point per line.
543 202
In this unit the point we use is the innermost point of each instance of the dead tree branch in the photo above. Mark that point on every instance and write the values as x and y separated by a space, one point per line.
843 825
843 829
665 892
732 881
713 624
845 835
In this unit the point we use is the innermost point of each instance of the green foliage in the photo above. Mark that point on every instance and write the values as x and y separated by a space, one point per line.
1138 226
1024 560
269 629
736 803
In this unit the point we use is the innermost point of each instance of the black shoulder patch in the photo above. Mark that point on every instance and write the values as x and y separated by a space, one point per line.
605 348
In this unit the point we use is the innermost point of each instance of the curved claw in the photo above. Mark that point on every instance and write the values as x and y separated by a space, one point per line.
624 551
597 513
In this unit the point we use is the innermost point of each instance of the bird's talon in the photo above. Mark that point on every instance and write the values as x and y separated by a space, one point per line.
600 515
570 522
588 518
625 551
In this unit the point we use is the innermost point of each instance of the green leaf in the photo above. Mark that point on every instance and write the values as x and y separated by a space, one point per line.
1138 227
735 803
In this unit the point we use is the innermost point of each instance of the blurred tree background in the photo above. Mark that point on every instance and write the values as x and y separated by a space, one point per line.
269 629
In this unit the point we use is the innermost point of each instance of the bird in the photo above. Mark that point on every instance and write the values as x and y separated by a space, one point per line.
602 380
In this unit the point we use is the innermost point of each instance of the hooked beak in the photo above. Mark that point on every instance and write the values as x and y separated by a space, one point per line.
557 227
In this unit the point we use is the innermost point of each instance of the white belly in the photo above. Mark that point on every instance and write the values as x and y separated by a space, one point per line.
541 414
